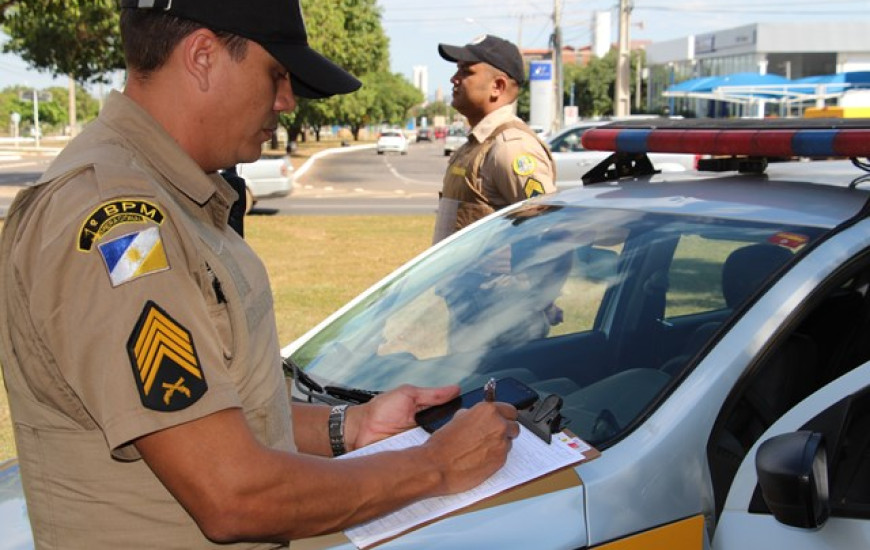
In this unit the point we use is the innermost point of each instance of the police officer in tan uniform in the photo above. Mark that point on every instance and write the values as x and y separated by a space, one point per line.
137 335
503 161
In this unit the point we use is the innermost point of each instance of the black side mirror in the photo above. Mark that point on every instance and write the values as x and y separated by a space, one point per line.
793 475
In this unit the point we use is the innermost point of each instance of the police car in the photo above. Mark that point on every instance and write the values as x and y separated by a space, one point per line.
705 331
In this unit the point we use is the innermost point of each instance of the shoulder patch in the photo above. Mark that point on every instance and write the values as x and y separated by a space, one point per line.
165 365
113 213
134 255
524 165
533 188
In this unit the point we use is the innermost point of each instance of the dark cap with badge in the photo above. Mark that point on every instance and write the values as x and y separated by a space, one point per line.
277 26
498 52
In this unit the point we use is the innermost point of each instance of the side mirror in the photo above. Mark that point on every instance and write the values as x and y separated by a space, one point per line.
793 475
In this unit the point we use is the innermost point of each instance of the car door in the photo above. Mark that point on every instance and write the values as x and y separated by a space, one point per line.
840 413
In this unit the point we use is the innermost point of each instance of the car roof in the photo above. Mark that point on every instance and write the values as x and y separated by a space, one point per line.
816 197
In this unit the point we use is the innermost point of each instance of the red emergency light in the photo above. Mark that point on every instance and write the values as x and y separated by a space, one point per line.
811 138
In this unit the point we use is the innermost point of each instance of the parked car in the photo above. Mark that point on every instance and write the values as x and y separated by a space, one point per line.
268 177
706 331
573 160
424 134
455 138
392 140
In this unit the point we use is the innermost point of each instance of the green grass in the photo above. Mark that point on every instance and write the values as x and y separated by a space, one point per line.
315 264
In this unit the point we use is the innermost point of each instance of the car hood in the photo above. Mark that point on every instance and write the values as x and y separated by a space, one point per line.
546 513
520 518
13 511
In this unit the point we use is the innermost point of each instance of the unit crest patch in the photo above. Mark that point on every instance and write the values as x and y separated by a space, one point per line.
524 165
165 365
134 255
114 213
533 188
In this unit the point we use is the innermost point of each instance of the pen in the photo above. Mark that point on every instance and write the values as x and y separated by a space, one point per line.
489 390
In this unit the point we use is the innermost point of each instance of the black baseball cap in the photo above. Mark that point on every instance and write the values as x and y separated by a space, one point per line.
277 26
498 52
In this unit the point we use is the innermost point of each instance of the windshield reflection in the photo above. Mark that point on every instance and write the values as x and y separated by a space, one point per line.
601 306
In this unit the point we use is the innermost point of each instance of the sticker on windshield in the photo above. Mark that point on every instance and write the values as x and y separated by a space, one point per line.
789 240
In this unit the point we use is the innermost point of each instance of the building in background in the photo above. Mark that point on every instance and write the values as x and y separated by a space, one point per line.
602 35
421 80
790 50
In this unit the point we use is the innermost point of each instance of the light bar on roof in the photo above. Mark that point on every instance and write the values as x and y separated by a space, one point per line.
814 142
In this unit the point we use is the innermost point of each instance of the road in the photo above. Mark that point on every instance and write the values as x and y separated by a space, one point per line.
359 181
354 180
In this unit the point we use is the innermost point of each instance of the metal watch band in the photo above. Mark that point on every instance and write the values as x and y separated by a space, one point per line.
336 429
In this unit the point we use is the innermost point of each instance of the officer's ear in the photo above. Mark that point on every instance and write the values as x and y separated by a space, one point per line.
500 84
199 51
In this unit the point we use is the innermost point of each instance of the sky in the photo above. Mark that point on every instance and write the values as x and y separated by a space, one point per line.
416 27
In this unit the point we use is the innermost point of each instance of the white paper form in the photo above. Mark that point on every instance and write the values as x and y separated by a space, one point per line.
529 458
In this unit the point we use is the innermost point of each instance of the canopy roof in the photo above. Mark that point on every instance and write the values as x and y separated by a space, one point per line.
752 87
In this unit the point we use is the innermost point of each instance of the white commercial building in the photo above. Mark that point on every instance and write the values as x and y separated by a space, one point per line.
790 50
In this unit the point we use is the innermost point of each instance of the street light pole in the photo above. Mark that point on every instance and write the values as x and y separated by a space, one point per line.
36 116
621 105
559 120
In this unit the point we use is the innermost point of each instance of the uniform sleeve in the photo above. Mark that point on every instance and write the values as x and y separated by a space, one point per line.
123 302
516 168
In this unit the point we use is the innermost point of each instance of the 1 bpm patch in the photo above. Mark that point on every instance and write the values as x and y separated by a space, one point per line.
165 365
114 213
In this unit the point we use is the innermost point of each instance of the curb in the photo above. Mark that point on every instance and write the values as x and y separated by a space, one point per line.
333 151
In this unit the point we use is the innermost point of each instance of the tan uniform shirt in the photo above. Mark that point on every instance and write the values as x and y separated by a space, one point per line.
128 306
515 165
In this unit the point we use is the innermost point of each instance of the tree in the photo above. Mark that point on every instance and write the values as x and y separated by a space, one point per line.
53 112
348 32
79 38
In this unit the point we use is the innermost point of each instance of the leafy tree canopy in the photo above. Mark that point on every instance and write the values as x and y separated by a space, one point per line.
65 37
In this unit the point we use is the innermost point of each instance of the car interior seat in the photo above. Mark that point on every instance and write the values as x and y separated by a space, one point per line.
743 272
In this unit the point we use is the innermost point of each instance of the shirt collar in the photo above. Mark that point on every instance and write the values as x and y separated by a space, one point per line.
493 120
151 141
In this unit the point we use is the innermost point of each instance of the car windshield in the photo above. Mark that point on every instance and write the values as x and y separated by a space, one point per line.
605 307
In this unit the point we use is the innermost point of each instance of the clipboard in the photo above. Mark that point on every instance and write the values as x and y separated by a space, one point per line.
530 458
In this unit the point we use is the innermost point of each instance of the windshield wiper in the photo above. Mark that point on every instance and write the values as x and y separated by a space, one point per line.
352 395
329 394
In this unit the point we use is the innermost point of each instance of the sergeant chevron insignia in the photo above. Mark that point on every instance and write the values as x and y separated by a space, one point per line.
533 188
165 365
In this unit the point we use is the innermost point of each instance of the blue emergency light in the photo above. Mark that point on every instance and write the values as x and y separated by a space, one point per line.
808 138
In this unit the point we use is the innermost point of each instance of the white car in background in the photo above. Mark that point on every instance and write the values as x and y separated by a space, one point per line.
573 161
392 140
269 176
455 138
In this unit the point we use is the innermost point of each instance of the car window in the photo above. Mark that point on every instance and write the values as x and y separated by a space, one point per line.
826 340
568 142
601 306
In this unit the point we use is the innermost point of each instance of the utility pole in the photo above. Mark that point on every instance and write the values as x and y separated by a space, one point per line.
73 123
621 106
557 64
37 133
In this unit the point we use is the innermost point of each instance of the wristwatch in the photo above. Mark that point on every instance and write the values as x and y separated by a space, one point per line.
336 429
